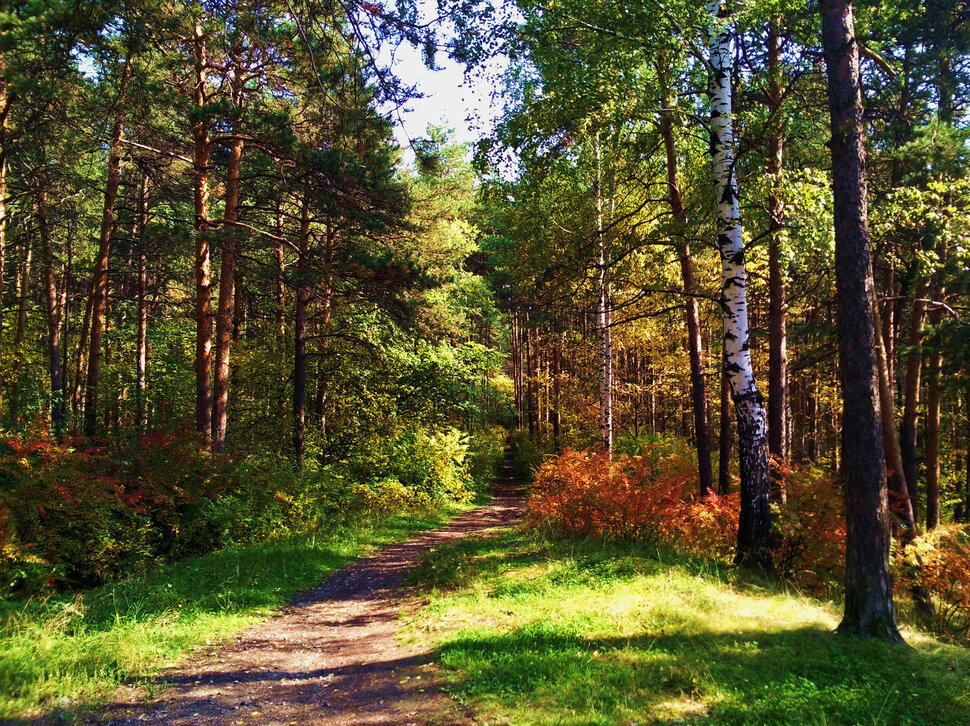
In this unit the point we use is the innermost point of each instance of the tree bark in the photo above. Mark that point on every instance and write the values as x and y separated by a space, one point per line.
604 331
141 352
777 334
58 418
299 332
695 352
933 405
227 282
754 526
23 292
99 278
868 586
724 439
914 366
203 255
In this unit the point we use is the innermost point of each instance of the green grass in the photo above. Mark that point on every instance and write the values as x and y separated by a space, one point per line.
67 652
537 632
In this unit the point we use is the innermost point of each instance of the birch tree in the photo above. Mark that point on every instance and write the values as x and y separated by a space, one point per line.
754 528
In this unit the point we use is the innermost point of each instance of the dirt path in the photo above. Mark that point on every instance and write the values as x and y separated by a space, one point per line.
331 656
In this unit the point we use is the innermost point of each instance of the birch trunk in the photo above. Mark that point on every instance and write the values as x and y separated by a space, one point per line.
99 278
754 526
869 607
604 332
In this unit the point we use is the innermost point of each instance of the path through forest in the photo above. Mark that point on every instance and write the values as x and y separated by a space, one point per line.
331 656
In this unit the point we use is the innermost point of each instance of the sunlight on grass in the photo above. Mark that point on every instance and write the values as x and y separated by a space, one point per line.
60 653
534 632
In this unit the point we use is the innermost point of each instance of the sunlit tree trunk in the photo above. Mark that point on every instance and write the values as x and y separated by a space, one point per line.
58 419
777 333
299 330
99 278
914 367
724 438
203 256
702 431
868 587
141 352
23 291
604 332
754 527
227 283
934 400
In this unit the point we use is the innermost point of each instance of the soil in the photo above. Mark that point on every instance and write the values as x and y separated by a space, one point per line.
330 657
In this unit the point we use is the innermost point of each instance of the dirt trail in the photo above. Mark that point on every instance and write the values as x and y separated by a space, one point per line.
331 656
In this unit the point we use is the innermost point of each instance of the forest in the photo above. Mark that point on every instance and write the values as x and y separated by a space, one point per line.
705 283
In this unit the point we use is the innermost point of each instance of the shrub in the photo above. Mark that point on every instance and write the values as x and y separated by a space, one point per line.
527 457
939 561
632 497
486 455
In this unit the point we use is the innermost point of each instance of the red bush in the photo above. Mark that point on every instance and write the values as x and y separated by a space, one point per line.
581 493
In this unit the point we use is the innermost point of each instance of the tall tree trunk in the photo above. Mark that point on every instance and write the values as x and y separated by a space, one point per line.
280 287
557 392
227 281
695 352
604 330
5 100
868 586
895 477
141 352
203 255
23 292
777 335
914 365
58 419
99 278
754 525
299 331
933 404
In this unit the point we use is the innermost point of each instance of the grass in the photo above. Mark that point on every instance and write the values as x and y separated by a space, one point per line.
67 652
539 632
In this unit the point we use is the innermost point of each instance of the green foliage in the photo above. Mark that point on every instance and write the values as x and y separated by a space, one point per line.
84 512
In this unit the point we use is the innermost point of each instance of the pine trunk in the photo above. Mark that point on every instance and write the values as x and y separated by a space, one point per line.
203 255
754 525
695 352
99 278
227 282
777 334
914 366
868 586
141 352
58 418
299 331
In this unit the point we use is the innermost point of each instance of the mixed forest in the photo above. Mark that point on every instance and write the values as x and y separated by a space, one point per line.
709 276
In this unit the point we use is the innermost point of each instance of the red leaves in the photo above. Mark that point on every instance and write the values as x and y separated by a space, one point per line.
587 494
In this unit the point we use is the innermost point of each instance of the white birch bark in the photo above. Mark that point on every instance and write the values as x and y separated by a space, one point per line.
603 314
755 521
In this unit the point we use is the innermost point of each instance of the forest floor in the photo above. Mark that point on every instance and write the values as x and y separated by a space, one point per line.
331 656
